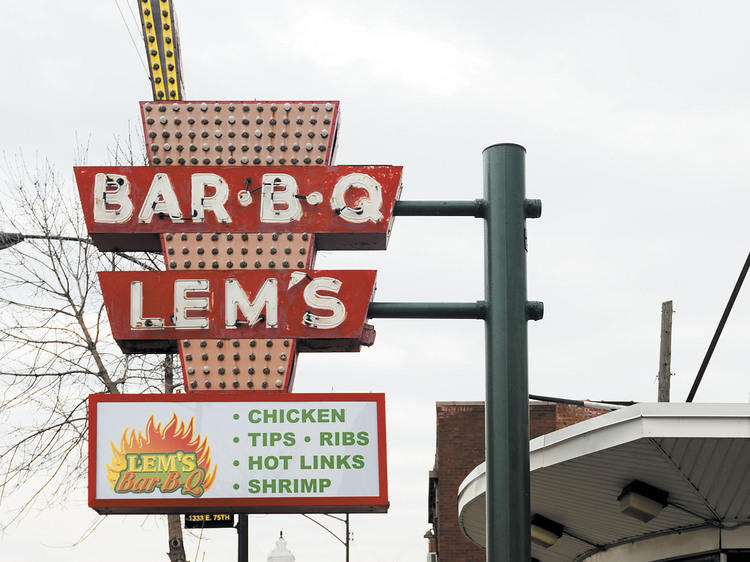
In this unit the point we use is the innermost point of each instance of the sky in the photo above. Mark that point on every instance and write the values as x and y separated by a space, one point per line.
635 119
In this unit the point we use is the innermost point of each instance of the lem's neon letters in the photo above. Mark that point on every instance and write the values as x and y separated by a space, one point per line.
189 297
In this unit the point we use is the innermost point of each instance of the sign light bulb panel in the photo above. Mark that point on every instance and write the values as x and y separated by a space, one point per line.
259 133
238 250
238 364
162 48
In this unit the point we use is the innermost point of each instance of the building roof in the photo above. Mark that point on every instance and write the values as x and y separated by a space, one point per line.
698 453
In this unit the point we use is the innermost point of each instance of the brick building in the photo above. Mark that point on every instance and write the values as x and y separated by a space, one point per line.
459 447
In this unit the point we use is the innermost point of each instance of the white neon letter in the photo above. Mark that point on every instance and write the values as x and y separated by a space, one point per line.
324 302
137 321
278 201
202 202
183 303
112 190
368 208
235 298
161 198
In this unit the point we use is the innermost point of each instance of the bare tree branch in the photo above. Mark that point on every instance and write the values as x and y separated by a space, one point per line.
55 343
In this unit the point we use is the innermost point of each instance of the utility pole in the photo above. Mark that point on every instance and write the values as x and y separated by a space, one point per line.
665 351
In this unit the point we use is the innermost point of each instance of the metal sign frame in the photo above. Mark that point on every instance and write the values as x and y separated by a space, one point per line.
331 504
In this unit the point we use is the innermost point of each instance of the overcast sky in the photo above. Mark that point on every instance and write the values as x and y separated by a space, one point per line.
635 120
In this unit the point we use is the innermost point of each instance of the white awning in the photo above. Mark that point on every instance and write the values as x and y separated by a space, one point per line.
698 453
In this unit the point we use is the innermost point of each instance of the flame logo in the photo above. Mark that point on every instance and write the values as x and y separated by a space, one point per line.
168 459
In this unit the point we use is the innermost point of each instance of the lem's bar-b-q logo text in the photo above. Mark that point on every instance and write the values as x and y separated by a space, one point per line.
168 459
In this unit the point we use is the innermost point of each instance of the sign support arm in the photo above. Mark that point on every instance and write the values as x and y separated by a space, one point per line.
443 310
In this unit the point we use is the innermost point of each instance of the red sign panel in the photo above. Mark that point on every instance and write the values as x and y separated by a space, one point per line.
248 452
150 310
349 207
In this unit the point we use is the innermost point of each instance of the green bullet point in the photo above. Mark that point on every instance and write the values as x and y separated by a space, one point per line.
236 416
236 463
236 439
307 438
236 486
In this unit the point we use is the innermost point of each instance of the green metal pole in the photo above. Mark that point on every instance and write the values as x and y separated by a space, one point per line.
507 405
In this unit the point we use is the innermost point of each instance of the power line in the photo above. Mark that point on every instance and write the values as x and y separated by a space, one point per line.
132 40
136 19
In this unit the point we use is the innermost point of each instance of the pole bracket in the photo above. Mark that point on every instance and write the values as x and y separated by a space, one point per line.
532 208
534 310
476 208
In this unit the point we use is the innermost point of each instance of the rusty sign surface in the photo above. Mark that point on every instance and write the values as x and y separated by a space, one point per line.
238 197
348 207
150 310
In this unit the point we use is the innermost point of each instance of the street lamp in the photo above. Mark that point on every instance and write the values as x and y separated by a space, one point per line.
8 239
335 536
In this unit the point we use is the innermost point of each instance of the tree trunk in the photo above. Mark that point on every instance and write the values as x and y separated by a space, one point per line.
174 525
